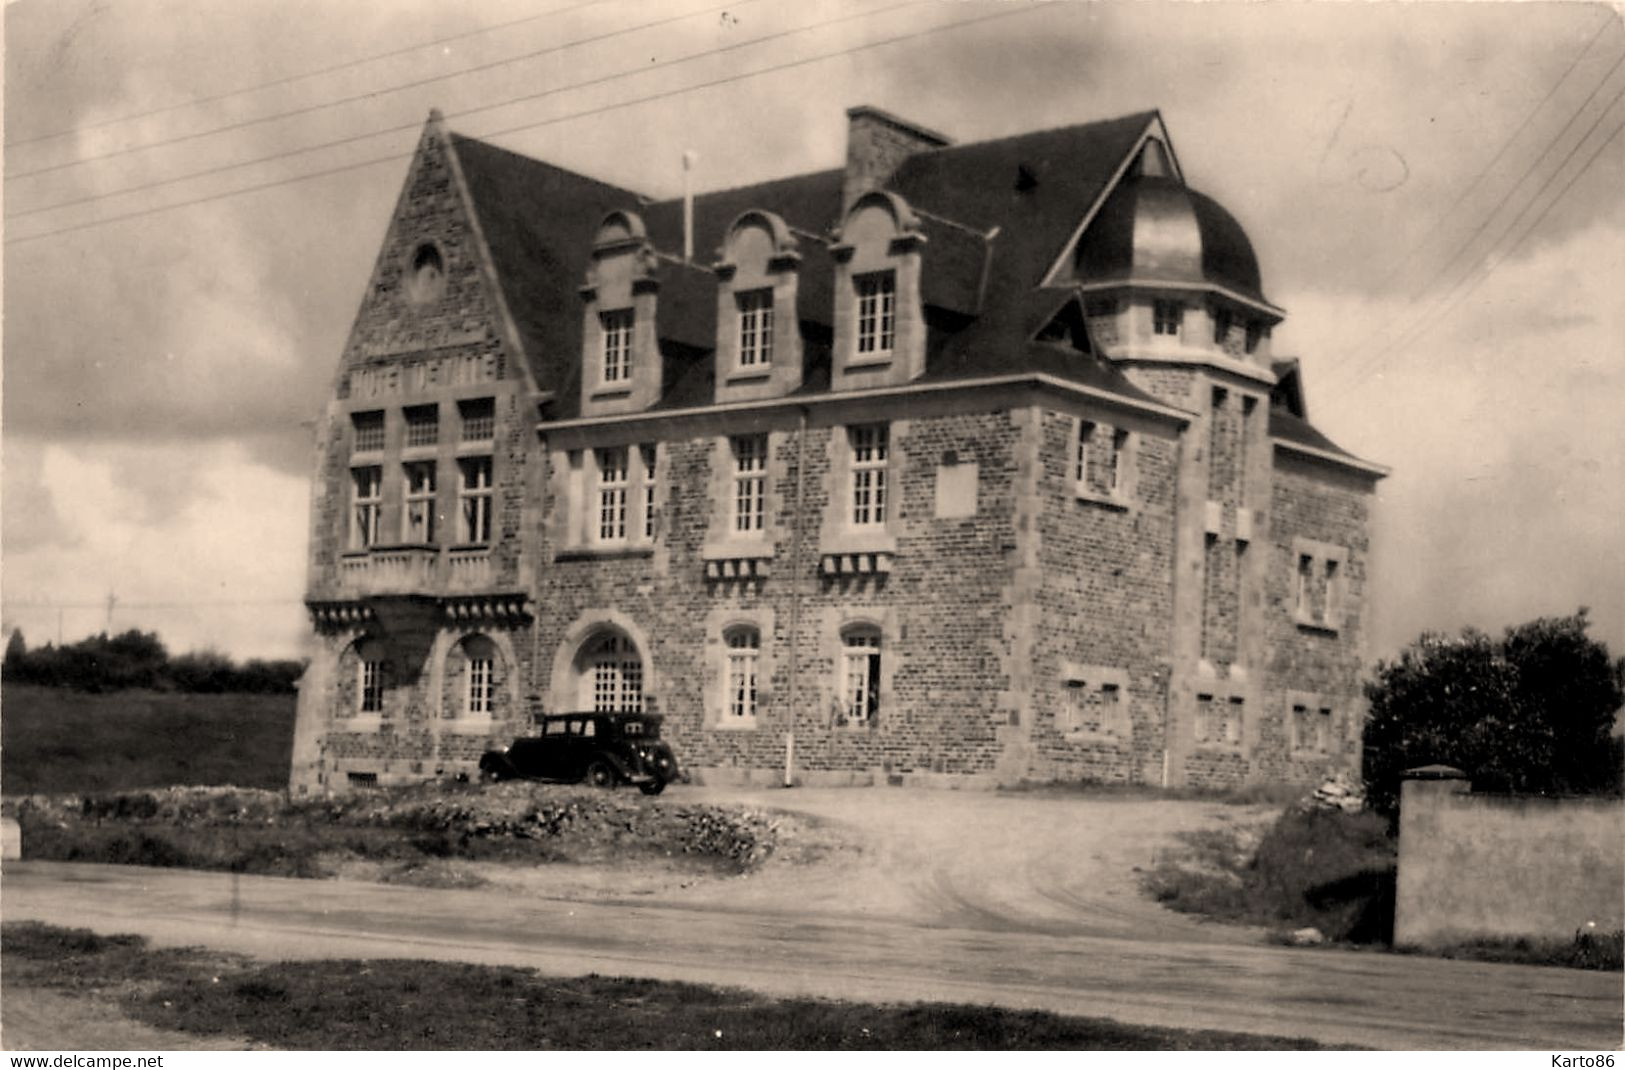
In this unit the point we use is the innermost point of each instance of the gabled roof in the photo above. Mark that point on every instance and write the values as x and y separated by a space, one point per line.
539 222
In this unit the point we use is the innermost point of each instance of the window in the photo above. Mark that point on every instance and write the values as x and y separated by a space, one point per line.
877 312
1099 461
1204 725
647 455
371 691
869 449
1255 331
1222 322
750 482
369 431
1311 727
1303 602
617 345
860 685
1092 709
612 481
1334 594
481 674
1219 721
418 525
474 499
744 656
1320 584
755 328
422 425
479 419
617 676
1167 317
366 498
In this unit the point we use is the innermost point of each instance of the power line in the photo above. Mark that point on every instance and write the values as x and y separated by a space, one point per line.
290 79
1390 352
1005 13
353 138
369 95
1472 187
1489 217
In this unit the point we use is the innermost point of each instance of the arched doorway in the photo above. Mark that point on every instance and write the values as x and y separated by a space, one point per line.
609 674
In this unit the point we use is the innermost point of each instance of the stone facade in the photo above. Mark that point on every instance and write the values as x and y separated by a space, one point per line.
910 567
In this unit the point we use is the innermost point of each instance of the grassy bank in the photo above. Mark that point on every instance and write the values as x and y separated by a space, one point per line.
1324 869
57 740
414 834
396 1005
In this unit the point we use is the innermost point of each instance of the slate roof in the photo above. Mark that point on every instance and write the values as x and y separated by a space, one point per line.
996 214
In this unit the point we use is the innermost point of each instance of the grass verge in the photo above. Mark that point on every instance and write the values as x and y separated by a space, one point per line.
57 740
410 1005
414 834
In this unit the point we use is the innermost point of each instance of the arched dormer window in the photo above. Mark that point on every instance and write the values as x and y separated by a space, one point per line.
758 336
879 321
620 358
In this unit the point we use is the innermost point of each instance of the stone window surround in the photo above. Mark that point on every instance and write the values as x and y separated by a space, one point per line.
880 236
1317 704
1126 444
723 542
578 486
713 685
505 690
759 259
1076 675
563 694
1232 691
837 620
1335 595
840 541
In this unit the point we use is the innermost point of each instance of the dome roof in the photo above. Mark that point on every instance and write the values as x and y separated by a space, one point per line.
1155 229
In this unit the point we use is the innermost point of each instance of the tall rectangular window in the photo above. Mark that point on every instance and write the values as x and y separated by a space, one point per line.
1303 598
1097 466
422 425
750 482
868 447
479 685
877 312
366 499
744 655
755 328
368 430
372 685
860 687
1333 612
474 499
612 486
418 519
1167 317
617 327
479 419
649 458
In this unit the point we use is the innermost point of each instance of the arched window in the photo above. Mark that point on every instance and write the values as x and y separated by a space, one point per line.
744 658
860 677
615 670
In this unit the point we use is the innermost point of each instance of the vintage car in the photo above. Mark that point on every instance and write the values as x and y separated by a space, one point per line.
602 749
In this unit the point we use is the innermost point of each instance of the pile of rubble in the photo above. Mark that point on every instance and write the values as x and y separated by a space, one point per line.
1339 791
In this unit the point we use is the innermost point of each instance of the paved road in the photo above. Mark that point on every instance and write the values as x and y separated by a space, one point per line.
1373 999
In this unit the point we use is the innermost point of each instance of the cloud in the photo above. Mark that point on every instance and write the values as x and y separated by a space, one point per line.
221 565
30 517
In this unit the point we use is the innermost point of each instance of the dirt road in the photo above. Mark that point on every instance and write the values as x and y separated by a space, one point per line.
1018 900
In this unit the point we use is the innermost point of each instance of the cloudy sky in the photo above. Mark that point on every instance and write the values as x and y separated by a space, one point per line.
1434 192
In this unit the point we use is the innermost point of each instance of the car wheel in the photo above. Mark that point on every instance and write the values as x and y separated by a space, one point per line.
600 775
489 776
653 787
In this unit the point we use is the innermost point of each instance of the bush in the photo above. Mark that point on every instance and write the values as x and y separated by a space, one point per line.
1530 712
138 659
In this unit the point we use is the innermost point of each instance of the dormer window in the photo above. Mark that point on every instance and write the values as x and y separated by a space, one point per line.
755 328
617 345
1167 317
877 312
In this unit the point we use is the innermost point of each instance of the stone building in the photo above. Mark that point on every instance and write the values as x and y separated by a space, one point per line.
957 464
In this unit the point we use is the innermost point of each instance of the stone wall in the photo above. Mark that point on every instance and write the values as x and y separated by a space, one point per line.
1505 866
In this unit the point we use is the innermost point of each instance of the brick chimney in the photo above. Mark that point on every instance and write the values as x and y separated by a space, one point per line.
877 143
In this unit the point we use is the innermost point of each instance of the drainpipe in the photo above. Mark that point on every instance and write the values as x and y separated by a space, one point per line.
795 595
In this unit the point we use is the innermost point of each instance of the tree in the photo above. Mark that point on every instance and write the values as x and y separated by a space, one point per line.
1531 712
16 651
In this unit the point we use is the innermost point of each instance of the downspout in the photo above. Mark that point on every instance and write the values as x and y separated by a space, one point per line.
795 595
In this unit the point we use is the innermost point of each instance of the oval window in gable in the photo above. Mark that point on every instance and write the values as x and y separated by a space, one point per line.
427 280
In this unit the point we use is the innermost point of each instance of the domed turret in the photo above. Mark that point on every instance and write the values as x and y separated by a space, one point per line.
1153 229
